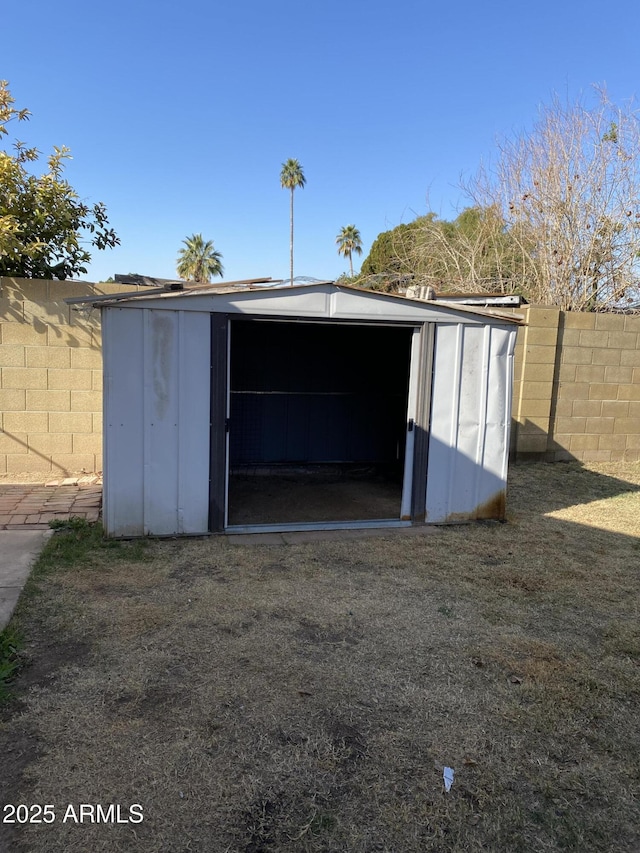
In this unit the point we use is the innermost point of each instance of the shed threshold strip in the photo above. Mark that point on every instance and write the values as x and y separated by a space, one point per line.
315 525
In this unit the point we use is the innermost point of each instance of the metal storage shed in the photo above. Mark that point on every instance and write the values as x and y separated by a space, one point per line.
394 411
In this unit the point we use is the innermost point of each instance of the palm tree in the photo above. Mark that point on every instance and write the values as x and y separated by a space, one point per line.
291 177
199 261
349 241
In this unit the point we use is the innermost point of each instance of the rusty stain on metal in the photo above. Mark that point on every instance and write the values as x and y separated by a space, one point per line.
493 509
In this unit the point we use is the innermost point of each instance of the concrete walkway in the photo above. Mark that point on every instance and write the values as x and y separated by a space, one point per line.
19 549
25 513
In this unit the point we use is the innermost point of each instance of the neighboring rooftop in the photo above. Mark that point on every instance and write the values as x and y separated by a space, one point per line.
181 284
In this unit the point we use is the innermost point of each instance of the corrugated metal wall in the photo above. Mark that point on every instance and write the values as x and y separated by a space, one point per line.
156 421
470 422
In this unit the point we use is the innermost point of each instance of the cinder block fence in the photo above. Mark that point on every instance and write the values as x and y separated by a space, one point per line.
50 378
576 390
577 387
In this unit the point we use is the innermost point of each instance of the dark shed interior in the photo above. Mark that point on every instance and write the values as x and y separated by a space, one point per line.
316 409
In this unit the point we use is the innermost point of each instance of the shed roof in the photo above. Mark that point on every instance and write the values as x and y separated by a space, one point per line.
322 299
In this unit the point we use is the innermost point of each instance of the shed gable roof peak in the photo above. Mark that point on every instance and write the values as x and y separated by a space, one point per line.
266 296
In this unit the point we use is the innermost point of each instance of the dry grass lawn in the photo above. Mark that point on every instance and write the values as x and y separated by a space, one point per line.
306 697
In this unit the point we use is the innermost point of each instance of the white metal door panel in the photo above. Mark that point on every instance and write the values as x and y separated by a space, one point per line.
161 386
469 438
466 466
176 420
194 416
498 419
157 372
443 432
123 435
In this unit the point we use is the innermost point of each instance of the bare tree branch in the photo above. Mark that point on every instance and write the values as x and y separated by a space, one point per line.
569 194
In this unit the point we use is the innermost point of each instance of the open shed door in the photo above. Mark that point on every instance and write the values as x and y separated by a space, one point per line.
318 422
418 411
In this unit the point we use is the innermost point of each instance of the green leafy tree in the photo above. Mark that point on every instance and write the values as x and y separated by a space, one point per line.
381 258
44 227
198 260
473 253
291 177
391 259
348 242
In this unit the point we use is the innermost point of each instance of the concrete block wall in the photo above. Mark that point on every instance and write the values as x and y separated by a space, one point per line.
597 389
50 378
533 394
577 392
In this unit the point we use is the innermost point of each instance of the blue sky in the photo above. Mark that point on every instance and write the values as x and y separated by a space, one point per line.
180 115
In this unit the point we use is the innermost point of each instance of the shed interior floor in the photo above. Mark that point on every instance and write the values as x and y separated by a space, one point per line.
314 494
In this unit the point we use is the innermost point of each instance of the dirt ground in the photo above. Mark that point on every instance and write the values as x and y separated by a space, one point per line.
307 697
309 497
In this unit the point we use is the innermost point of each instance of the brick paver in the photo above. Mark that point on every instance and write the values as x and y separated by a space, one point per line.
32 507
